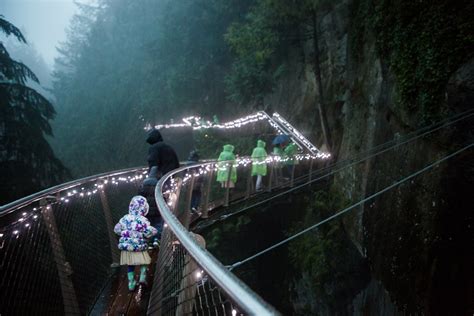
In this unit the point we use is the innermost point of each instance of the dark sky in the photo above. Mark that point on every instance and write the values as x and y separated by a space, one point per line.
42 21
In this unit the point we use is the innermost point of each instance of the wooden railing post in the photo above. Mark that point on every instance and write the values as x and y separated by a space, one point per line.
271 175
249 183
207 193
71 307
227 191
110 228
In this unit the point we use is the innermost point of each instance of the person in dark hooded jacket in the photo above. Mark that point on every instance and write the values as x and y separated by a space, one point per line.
193 159
147 189
160 154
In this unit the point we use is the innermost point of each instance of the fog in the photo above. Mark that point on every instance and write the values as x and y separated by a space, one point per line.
43 22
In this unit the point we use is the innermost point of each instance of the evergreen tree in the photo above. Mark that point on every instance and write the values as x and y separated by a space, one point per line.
27 162
137 62
261 41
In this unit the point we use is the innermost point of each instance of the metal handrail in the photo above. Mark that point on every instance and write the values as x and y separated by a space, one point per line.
10 207
237 291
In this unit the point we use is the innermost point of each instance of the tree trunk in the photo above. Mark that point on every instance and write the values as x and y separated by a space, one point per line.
317 71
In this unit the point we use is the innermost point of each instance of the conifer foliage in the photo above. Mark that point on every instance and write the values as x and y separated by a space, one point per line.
27 162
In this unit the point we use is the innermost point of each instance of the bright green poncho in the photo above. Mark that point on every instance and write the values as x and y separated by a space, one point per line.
259 154
278 151
291 150
226 157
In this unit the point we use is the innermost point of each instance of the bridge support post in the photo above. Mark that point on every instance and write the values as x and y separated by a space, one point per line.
310 170
292 177
249 183
207 193
227 185
270 176
71 307
110 227
189 197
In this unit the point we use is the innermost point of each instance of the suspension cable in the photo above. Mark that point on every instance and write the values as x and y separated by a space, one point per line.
395 184
353 161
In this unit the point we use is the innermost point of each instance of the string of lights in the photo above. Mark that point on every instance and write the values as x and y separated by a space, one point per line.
300 136
196 123
29 216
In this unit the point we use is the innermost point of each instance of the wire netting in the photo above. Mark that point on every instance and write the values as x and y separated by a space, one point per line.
56 252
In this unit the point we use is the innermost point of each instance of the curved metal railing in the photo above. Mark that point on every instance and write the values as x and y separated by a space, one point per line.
189 279
197 276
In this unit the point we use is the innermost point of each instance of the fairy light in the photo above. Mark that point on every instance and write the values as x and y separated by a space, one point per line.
300 137
197 123
234 312
204 169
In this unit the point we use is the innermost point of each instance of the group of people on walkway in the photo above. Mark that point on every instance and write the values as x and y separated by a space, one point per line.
283 149
141 228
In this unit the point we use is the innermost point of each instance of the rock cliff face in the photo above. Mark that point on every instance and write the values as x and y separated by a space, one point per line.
415 237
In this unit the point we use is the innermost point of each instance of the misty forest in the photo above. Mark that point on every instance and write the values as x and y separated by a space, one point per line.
352 76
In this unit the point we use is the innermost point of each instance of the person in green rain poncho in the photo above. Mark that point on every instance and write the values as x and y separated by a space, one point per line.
259 166
290 152
226 158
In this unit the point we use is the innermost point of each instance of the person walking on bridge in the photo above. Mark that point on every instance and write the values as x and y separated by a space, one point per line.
259 166
147 190
226 163
193 159
133 229
160 154
290 151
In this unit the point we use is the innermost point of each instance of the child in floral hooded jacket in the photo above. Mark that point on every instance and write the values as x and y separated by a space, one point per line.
133 230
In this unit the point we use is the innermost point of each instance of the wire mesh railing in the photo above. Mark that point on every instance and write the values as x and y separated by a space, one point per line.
57 246
189 279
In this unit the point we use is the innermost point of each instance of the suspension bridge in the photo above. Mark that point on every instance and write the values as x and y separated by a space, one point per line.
58 252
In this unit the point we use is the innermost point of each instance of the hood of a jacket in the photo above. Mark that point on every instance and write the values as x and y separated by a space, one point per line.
154 136
193 156
229 148
261 143
138 206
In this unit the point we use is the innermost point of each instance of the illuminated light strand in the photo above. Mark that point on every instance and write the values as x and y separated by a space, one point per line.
66 199
202 170
300 136
197 123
